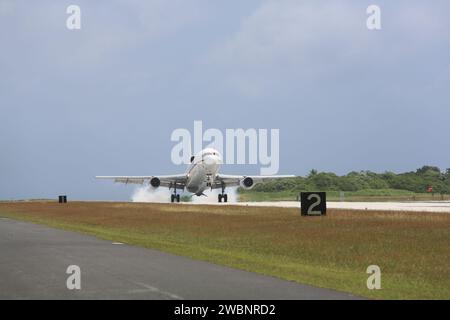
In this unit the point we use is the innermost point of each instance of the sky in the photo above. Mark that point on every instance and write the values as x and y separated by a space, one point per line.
104 100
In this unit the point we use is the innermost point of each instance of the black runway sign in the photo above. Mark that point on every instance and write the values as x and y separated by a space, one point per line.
313 203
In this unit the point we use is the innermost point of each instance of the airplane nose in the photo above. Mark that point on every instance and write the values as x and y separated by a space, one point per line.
212 159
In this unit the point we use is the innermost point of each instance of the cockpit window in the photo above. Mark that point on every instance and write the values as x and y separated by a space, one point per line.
210 154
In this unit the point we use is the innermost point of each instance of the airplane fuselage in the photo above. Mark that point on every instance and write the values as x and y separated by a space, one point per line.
202 171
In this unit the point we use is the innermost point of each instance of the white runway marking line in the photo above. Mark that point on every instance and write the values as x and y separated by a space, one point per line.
147 288
117 243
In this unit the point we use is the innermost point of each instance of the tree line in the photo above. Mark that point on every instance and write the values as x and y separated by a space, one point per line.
418 181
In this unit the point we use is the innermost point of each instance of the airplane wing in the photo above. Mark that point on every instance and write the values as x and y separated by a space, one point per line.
163 181
244 181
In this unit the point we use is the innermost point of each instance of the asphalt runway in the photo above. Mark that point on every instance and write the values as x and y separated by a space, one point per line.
34 260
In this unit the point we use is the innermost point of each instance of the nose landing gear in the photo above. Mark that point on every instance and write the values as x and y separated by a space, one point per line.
174 196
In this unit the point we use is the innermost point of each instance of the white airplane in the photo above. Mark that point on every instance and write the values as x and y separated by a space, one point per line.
202 174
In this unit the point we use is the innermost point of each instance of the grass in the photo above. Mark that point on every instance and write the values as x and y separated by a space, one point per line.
361 195
412 249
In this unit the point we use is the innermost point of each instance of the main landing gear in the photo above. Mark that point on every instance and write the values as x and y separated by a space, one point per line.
175 197
223 195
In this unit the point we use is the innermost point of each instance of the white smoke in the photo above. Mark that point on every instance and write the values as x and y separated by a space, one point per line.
162 195
149 194
212 196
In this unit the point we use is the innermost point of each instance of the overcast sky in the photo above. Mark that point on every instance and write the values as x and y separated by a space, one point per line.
105 99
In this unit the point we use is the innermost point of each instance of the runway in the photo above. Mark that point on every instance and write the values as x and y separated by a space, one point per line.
34 260
430 206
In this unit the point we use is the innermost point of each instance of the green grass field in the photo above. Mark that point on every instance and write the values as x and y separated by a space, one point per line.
412 249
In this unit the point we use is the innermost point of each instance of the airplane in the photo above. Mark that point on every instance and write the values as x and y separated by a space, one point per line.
202 174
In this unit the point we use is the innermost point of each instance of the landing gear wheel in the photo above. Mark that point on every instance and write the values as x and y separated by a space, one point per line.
172 197
178 198
223 195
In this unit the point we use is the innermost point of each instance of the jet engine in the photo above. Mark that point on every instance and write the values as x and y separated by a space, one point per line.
247 183
155 182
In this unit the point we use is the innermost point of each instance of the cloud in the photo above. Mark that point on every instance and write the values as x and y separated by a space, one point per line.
6 7
290 41
282 35
108 29
289 30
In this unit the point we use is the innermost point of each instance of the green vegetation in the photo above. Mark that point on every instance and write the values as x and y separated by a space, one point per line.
412 249
186 198
358 186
